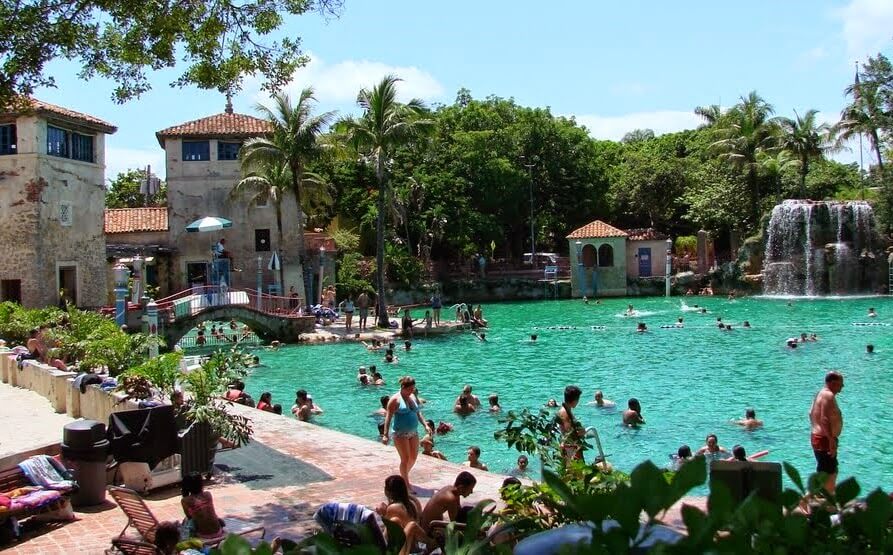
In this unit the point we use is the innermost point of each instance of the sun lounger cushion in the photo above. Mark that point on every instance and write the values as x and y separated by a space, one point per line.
46 472
331 513
30 500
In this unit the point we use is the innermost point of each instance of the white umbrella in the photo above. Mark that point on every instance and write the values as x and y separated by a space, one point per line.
274 264
208 223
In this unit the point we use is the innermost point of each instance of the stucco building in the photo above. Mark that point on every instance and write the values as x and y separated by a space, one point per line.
131 232
202 167
611 256
52 196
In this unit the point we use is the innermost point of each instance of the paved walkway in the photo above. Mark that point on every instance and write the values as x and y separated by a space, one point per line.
29 421
357 467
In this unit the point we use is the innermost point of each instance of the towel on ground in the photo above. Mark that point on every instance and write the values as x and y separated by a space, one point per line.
331 513
46 472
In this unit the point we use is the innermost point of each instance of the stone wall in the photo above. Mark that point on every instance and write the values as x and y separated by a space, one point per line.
198 189
35 189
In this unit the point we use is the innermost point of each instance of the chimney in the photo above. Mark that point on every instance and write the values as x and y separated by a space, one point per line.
229 104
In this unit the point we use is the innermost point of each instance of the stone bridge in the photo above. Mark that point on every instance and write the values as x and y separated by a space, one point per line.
267 326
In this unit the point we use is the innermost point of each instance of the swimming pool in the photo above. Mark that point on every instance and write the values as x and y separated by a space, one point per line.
691 381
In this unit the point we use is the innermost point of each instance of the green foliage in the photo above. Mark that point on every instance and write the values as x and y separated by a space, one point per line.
124 191
121 41
115 352
16 322
205 387
403 268
162 372
686 244
355 274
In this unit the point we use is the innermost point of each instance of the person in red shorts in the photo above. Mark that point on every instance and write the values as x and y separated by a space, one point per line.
827 423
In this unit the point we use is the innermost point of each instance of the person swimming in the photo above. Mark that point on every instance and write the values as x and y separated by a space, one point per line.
745 324
641 327
632 416
750 421
872 313
869 349
630 311
600 401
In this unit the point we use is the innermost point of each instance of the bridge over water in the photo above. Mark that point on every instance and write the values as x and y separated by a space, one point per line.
270 317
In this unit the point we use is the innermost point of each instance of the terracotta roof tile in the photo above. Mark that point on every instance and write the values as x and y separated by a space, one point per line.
597 228
222 125
645 234
42 107
129 220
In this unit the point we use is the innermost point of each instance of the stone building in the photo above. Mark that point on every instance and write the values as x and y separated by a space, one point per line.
646 253
201 159
52 196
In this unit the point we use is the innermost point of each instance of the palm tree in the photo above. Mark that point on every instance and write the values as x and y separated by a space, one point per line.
710 114
774 164
385 125
293 141
861 117
263 183
746 130
805 139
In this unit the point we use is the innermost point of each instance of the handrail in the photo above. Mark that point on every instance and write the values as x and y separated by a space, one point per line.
190 302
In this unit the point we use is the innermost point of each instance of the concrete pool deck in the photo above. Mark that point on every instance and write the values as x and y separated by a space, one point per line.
357 468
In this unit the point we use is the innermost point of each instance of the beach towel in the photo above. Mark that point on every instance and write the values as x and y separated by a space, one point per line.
331 513
35 500
46 472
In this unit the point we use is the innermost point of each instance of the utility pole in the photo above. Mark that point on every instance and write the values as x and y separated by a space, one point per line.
532 234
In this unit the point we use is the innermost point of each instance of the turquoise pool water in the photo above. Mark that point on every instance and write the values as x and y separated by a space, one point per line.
691 381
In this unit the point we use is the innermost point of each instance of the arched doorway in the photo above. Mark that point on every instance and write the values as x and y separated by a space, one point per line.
589 256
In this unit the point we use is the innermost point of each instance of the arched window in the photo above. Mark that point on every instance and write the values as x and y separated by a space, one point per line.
605 256
588 256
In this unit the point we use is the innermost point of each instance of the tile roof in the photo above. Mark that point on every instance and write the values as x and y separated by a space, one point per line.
314 240
594 229
129 220
223 125
646 234
43 108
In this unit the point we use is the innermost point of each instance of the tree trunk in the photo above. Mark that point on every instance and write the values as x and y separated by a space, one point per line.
302 247
877 149
379 245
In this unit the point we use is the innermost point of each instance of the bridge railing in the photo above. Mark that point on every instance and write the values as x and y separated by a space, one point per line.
190 302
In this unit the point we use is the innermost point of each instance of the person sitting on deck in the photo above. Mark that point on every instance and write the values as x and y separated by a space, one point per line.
448 499
404 510
198 505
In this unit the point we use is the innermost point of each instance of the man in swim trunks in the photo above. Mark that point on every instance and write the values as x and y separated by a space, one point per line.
826 424
570 427
362 306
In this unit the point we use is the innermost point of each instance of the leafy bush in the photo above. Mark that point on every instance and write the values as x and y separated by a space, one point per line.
162 372
355 275
207 384
402 268
686 244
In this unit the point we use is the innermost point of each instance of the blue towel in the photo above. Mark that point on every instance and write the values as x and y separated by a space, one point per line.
46 472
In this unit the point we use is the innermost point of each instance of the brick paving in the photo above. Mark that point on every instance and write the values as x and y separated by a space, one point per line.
357 467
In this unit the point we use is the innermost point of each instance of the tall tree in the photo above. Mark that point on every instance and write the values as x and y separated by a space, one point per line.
218 42
866 114
124 191
266 182
805 139
293 142
710 114
746 130
385 125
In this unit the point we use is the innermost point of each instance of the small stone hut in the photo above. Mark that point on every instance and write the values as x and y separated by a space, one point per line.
598 260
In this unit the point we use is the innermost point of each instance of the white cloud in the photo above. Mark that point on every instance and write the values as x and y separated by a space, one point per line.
867 26
119 160
659 121
339 83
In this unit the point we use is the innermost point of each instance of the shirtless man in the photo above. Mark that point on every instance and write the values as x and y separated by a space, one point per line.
570 427
601 402
463 406
827 423
474 458
447 500
632 416
362 306
473 399
750 421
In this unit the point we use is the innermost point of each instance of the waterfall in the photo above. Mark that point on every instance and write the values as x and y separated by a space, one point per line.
812 247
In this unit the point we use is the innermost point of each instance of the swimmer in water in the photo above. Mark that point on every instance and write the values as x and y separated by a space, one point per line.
813 337
746 324
869 349
683 455
551 403
680 323
739 454
463 406
872 313
494 403
481 336
632 416
703 311
362 376
791 343
600 401
712 447
533 338
585 300
630 311
641 327
750 421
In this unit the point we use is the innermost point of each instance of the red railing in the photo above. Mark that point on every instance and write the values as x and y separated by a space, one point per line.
197 299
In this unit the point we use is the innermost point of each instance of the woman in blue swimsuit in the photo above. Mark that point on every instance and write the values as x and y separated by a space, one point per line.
404 413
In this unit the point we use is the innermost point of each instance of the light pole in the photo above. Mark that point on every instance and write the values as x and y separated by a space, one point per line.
583 288
260 279
669 265
122 275
532 235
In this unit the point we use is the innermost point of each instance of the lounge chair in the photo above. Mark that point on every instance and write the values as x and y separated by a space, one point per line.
140 517
133 547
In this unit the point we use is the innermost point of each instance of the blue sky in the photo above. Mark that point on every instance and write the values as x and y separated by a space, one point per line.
614 66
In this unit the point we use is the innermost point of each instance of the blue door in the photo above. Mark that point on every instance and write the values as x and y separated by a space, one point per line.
644 262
